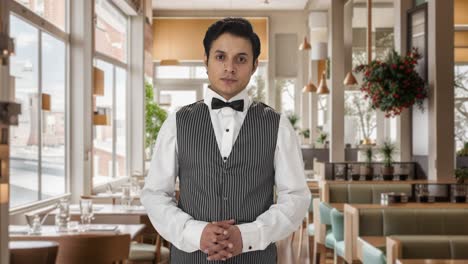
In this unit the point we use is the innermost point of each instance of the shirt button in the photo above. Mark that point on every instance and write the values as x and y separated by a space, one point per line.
227 130
250 247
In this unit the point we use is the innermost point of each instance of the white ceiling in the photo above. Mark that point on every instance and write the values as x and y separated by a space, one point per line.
229 4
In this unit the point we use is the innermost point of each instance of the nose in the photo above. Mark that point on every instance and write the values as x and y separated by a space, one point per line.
229 67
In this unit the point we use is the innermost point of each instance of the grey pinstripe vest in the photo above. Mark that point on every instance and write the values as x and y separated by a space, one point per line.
239 188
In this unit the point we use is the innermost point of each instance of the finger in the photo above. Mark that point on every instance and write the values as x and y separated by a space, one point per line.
222 255
216 248
218 230
222 237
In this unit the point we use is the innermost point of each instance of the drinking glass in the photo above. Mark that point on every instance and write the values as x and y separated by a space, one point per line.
86 211
126 199
63 215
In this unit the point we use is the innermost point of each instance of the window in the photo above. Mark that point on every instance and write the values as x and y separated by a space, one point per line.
110 141
38 143
285 96
53 11
461 105
110 30
360 118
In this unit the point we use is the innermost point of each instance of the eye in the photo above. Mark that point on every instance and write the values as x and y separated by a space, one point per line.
242 59
219 57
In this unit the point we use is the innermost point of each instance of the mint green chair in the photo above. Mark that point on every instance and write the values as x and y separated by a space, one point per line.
325 210
373 255
337 223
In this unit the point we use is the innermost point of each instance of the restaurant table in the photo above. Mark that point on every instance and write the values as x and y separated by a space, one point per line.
20 232
43 252
432 261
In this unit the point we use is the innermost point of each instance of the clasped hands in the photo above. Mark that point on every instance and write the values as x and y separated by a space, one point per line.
221 240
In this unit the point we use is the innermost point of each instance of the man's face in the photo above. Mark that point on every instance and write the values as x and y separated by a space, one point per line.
230 65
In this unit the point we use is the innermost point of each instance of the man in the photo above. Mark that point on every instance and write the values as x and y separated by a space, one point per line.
230 154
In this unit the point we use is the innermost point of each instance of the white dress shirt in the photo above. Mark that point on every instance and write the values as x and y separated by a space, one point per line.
184 232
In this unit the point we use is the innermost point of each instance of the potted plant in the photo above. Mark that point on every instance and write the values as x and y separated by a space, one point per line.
322 138
462 156
154 118
367 170
387 150
393 84
461 174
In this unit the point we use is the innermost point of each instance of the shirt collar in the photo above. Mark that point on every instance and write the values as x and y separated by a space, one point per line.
243 95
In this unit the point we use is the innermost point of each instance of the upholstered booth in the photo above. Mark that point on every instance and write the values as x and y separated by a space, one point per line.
427 247
363 193
411 222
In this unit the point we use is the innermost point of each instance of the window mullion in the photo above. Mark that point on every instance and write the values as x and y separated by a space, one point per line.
39 115
114 118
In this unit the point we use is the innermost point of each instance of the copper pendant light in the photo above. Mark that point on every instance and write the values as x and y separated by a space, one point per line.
309 88
305 45
323 88
350 79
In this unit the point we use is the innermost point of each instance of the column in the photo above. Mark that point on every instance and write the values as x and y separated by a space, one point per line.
403 121
81 84
336 96
441 97
136 111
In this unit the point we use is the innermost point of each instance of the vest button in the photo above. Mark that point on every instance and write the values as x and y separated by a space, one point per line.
225 198
250 247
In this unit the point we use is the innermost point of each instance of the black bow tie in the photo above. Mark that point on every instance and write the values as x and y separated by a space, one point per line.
237 105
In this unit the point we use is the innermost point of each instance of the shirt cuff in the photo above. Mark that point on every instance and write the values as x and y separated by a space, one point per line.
192 233
250 237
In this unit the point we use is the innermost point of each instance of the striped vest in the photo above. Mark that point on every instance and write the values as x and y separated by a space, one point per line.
240 187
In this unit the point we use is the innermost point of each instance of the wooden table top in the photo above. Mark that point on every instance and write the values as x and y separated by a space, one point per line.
432 261
20 232
20 245
338 206
331 182
376 241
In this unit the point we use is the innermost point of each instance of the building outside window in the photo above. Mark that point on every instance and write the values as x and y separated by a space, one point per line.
110 141
38 151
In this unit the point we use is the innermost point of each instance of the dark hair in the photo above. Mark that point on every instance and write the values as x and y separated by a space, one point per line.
237 26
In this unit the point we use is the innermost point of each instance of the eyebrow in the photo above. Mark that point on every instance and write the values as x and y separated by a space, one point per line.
242 53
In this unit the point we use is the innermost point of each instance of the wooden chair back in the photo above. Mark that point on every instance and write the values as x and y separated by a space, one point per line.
91 248
42 252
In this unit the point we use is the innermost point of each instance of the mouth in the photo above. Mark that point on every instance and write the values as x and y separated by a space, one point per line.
228 80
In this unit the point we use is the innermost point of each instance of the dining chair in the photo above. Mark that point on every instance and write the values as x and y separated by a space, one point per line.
91 248
42 252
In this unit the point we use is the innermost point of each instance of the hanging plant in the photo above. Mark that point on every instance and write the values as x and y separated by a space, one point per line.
393 84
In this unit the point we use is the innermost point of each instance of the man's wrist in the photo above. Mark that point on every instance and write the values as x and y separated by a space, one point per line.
250 236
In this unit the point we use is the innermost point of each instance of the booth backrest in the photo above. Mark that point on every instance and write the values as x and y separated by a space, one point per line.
396 221
364 193
433 247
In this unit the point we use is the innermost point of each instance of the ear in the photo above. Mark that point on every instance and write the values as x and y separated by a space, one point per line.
205 60
255 66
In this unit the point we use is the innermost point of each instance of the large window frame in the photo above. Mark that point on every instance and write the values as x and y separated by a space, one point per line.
44 26
125 66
